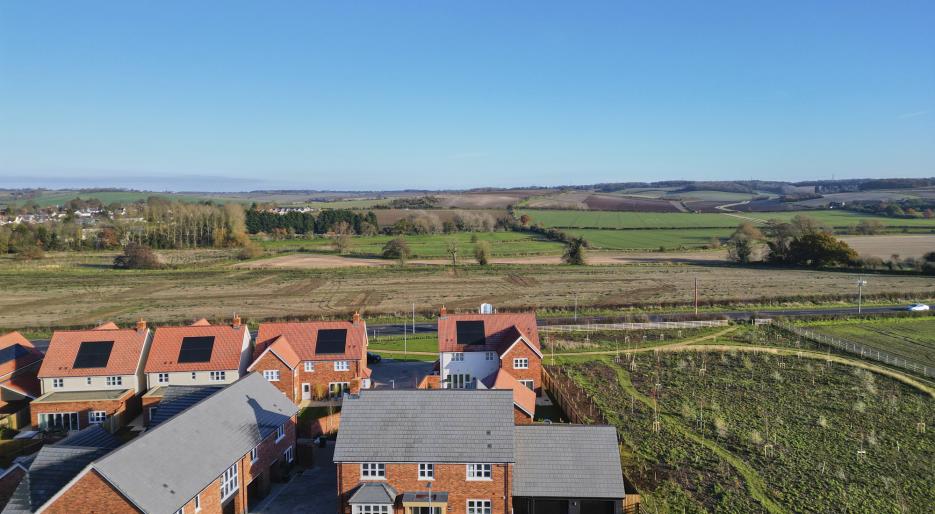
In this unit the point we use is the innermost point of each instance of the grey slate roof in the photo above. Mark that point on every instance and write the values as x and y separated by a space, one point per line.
175 399
165 467
379 493
427 425
570 461
56 464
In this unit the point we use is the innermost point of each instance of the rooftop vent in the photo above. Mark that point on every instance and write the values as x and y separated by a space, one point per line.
486 308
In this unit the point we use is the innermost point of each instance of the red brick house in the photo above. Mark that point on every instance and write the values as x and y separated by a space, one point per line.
217 456
313 359
19 385
473 347
92 376
200 354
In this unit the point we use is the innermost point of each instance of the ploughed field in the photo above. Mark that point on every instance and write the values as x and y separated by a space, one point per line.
756 432
81 289
910 338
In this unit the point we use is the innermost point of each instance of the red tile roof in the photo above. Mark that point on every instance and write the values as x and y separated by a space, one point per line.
26 384
500 330
29 353
225 355
302 337
283 350
63 348
523 397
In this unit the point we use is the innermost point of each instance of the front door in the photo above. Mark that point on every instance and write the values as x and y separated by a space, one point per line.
306 391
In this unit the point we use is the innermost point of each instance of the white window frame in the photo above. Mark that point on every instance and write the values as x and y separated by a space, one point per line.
280 432
528 383
372 471
520 363
426 471
69 418
88 381
194 375
457 357
271 375
217 376
115 380
479 507
479 472
162 378
180 511
459 380
491 356
96 417
289 454
309 367
254 455
58 383
372 508
344 386
229 484
198 502
342 366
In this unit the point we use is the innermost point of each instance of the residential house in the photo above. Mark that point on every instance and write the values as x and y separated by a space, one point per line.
445 451
44 473
473 347
92 376
200 354
313 359
217 456
19 385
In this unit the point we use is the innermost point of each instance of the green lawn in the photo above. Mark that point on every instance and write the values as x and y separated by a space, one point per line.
413 343
502 244
912 338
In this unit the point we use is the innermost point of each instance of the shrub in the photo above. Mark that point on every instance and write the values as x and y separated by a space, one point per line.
397 248
574 252
250 251
482 252
137 256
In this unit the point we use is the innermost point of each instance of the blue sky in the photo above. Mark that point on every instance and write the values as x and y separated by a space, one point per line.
444 94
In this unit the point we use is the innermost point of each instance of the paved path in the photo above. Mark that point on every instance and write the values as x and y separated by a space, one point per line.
311 492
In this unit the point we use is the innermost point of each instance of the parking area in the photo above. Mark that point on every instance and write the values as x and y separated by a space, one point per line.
310 492
390 374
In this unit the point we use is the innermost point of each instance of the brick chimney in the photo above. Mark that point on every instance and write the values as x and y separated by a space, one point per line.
357 317
443 312
141 325
236 321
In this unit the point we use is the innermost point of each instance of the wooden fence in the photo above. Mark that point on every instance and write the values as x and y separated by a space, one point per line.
577 405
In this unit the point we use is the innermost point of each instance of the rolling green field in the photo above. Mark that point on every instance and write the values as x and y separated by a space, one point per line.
502 244
650 239
912 338
53 198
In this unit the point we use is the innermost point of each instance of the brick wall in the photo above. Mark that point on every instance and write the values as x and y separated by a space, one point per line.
534 373
449 478
127 407
90 493
325 374
286 376
520 417
147 403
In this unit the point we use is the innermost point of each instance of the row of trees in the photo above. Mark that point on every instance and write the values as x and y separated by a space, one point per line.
326 221
800 242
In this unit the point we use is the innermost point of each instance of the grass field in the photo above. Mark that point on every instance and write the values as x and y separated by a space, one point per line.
912 338
66 291
757 432
650 239
502 244
52 198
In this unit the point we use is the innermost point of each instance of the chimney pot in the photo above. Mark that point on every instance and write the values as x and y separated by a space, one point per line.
141 325
357 317
443 312
236 321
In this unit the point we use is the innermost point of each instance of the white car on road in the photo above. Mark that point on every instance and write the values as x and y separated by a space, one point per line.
917 307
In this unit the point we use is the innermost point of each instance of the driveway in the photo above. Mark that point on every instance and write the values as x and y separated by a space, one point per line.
390 374
314 491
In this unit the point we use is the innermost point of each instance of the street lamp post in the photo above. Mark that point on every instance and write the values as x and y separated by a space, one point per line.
860 285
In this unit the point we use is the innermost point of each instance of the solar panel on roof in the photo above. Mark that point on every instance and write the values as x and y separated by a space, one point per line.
12 352
332 340
470 332
93 354
196 349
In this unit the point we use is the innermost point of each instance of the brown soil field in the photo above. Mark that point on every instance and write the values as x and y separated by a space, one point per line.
601 202
885 246
82 296
389 216
497 200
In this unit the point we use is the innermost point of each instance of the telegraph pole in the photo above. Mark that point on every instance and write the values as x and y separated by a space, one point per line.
696 296
860 284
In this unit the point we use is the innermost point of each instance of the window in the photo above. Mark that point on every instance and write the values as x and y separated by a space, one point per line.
479 507
520 363
528 383
58 421
254 454
341 366
197 503
96 417
336 389
426 471
457 357
372 509
88 380
280 433
194 375
479 471
114 381
217 376
58 383
309 366
229 482
289 454
372 470
459 381
491 356
271 375
163 378
180 511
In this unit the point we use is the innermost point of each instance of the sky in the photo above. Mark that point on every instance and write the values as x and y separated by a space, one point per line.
386 94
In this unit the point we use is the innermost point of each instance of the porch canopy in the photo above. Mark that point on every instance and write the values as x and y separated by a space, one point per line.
373 494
